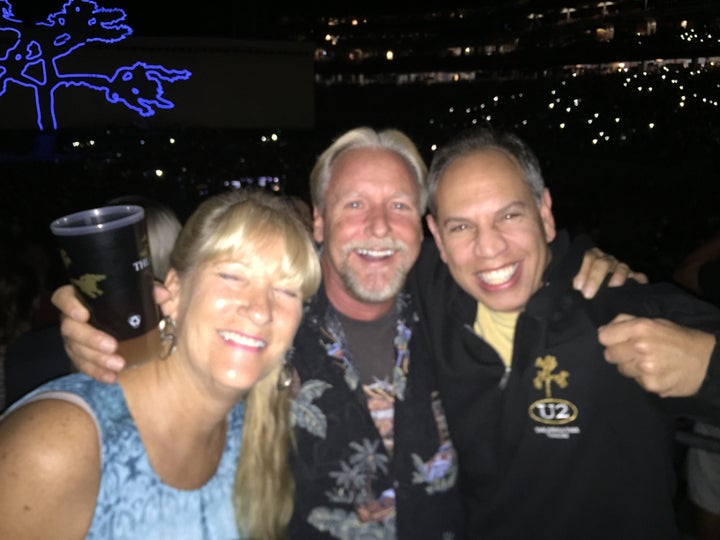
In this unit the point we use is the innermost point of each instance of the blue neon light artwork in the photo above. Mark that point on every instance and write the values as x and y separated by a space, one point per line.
31 60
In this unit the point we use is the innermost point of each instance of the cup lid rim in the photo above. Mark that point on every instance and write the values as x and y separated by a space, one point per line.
70 224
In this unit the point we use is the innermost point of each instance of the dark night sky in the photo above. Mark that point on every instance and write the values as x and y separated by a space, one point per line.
148 18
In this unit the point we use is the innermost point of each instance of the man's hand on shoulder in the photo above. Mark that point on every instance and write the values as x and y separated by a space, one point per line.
596 266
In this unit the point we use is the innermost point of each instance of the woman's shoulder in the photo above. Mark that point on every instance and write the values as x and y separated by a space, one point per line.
53 432
51 464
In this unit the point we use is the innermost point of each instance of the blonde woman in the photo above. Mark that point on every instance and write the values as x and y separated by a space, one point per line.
156 455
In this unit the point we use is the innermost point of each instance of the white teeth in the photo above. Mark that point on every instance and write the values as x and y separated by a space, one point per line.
501 275
242 340
376 253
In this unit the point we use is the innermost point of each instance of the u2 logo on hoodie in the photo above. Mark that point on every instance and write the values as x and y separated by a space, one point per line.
552 411
549 410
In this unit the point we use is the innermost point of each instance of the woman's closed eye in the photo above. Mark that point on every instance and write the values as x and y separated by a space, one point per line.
231 277
288 291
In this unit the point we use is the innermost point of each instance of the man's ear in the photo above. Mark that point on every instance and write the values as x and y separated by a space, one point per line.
546 215
318 226
172 284
435 231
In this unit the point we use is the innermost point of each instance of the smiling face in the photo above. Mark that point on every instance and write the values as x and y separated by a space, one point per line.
370 229
490 230
236 318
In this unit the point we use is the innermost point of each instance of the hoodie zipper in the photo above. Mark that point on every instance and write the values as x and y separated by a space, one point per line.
508 369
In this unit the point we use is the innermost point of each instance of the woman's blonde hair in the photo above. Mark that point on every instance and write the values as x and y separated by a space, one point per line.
239 224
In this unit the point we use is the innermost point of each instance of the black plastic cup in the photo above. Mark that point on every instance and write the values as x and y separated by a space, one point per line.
106 255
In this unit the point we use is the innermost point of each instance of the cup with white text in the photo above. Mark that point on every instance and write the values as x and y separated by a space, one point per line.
106 255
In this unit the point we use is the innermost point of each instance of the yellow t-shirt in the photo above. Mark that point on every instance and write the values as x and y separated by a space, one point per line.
498 329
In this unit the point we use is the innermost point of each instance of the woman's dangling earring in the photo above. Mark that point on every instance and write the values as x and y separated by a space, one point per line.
285 377
167 336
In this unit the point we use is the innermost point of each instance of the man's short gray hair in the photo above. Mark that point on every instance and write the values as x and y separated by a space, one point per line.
365 137
481 140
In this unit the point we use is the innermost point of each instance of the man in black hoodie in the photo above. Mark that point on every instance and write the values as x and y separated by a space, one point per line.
553 441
